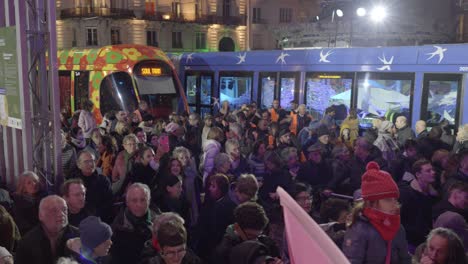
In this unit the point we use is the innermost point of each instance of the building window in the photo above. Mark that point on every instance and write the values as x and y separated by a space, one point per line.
200 40
152 38
177 40
91 37
226 8
115 36
256 15
285 15
176 9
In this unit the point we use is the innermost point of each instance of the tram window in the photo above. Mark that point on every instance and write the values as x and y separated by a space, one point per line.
326 89
288 88
441 98
117 92
381 95
81 88
205 89
268 85
237 90
191 84
65 90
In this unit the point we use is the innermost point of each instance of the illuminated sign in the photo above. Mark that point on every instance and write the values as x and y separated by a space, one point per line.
329 76
150 71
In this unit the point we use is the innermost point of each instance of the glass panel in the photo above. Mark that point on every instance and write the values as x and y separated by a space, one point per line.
287 92
236 90
383 98
205 93
205 111
191 84
324 92
193 109
442 101
81 88
116 92
268 92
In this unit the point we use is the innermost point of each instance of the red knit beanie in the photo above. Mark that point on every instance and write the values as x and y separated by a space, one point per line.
377 184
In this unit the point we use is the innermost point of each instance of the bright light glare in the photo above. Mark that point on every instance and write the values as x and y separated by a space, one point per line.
361 11
339 12
378 14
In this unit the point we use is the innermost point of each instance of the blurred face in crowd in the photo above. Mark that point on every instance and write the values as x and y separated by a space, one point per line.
324 139
148 155
360 150
276 104
286 138
261 150
388 206
315 156
79 134
241 197
141 137
215 192
96 137
103 248
400 122
31 185
234 152
53 214
225 167
411 152
302 110
426 174
87 164
345 134
305 201
184 159
173 255
208 122
154 140
193 121
175 190
122 116
437 249
143 106
293 160
137 202
175 168
459 199
130 146
345 154
76 197
262 125
464 165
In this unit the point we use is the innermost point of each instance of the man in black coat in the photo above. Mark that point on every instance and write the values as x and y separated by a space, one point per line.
98 187
45 243
404 132
315 171
457 201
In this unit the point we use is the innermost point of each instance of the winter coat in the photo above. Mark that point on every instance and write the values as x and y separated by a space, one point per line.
257 166
98 194
129 237
87 123
386 143
210 150
9 232
445 206
26 211
404 134
363 245
35 246
316 175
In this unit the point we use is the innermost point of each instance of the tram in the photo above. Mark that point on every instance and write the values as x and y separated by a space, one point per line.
118 77
421 82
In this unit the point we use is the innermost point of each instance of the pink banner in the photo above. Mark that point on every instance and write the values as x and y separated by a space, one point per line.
307 242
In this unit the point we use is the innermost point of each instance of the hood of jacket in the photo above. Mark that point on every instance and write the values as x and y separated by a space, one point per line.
210 144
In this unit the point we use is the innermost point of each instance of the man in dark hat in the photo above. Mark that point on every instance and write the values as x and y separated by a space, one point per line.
284 140
323 135
315 171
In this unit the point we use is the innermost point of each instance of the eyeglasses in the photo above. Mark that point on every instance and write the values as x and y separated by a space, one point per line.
303 199
88 161
172 254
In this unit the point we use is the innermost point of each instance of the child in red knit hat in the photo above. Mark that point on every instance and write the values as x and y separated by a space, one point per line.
375 234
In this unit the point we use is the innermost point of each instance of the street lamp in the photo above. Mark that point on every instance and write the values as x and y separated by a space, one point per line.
378 14
339 13
361 11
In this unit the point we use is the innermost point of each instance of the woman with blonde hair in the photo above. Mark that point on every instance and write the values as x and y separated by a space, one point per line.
461 142
211 149
27 197
351 123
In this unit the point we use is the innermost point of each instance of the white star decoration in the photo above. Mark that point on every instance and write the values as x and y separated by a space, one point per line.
439 52
241 58
215 102
324 57
189 58
386 63
282 57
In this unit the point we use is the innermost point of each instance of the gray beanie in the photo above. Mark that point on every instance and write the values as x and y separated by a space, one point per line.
94 232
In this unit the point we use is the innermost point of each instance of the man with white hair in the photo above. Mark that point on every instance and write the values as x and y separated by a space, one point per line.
132 227
404 132
47 242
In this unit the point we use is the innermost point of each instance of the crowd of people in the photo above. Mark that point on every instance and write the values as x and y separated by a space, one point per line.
189 190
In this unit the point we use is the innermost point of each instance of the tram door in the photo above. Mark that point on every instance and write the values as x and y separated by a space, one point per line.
268 83
199 91
441 99
288 88
81 87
